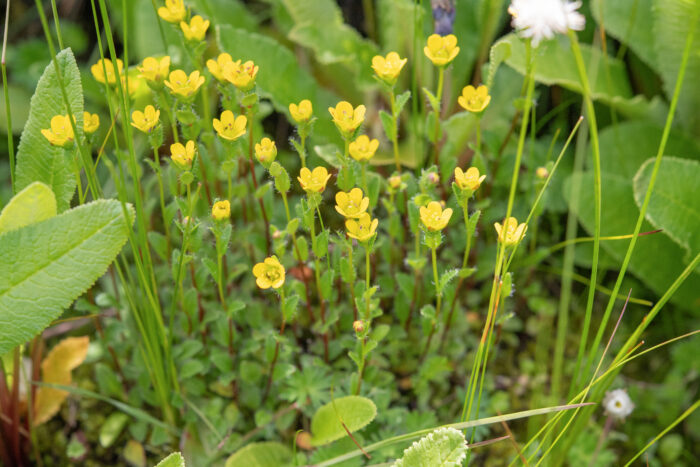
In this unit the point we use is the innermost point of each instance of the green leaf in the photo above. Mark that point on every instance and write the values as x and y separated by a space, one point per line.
112 428
276 61
319 26
329 153
37 159
499 53
656 260
173 460
289 307
671 28
33 204
354 411
47 265
631 22
401 100
388 124
265 454
556 66
673 206
444 447
434 102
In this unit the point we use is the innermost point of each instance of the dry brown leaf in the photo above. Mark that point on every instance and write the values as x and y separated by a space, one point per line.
56 369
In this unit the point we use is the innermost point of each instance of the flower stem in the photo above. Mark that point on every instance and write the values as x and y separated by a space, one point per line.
394 140
277 349
441 79
251 167
438 302
161 191
321 303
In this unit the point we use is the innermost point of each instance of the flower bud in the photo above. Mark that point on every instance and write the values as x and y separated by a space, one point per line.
358 326
542 173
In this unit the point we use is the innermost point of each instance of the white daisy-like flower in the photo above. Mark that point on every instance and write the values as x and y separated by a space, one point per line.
618 404
542 19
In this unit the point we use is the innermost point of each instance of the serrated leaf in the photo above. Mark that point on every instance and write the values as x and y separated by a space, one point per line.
673 206
265 454
47 265
33 204
37 159
401 100
173 460
443 447
499 52
56 369
388 124
356 412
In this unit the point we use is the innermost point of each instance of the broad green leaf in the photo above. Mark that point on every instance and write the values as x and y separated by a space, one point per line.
672 20
173 460
19 107
319 26
630 22
231 12
656 260
355 412
275 62
265 454
33 204
56 369
47 265
555 65
443 447
37 159
673 205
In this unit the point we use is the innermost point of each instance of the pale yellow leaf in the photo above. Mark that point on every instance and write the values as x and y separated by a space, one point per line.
56 369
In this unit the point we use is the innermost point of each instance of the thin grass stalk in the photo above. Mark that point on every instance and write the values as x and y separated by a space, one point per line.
597 204
6 91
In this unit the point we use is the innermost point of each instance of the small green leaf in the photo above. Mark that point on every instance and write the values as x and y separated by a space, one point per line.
173 460
33 204
434 102
355 412
265 454
112 428
388 124
401 100
47 265
262 189
330 154
500 51
444 447
289 307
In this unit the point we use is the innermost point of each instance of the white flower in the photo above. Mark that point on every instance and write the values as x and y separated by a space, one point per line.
618 404
540 19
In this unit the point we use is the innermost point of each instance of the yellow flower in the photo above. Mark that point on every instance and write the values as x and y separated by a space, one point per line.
173 11
362 149
269 273
388 69
346 118
183 156
314 181
216 67
182 85
103 71
221 210
147 120
469 179
434 218
474 100
351 205
441 50
266 151
61 131
230 127
91 122
196 30
513 233
361 229
155 70
242 76
302 112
